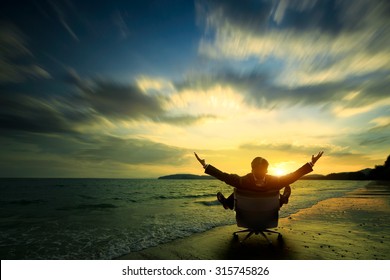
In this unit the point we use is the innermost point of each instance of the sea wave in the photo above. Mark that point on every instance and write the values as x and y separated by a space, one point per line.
23 202
208 203
89 206
183 196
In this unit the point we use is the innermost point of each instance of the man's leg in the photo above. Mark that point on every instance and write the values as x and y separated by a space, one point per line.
227 203
284 197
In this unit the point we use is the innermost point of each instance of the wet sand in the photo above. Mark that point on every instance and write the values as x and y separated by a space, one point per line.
353 227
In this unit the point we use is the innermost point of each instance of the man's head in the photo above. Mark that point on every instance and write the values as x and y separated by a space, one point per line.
259 167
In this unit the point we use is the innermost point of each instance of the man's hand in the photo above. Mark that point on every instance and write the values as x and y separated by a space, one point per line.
202 161
315 158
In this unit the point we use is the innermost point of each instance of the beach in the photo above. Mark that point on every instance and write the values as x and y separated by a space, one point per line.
355 226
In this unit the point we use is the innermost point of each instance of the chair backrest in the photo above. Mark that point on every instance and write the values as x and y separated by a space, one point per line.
256 210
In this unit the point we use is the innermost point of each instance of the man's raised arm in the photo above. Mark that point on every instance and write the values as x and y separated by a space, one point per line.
201 161
230 179
305 169
315 158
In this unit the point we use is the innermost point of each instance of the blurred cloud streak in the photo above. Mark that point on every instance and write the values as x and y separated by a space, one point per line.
13 48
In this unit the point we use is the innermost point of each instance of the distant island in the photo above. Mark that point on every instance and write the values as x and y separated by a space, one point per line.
380 172
358 175
187 177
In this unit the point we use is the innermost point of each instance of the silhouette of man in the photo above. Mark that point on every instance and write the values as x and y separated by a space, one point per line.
258 179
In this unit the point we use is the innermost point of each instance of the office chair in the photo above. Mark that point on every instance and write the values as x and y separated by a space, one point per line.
257 212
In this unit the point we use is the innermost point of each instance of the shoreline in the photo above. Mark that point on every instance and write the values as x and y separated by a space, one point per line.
353 227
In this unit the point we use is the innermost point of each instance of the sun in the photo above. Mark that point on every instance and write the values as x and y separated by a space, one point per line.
278 171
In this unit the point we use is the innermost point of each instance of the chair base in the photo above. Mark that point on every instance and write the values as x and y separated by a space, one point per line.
253 231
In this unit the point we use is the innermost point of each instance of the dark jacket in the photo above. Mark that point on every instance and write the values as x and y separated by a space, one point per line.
247 182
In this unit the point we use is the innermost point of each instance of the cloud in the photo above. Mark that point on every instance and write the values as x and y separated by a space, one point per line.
305 53
15 57
97 148
62 18
30 114
247 15
257 89
87 155
121 101
132 151
328 16
331 149
121 25
306 58
381 121
88 104
316 42
150 84
377 136
345 111
131 102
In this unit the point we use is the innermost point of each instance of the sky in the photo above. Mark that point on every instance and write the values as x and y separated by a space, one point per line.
130 89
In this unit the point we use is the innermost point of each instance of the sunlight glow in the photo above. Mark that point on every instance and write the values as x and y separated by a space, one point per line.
278 171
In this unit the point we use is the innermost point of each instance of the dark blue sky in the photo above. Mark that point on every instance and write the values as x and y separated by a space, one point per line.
105 37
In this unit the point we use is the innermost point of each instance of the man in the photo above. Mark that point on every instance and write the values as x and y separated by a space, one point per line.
258 179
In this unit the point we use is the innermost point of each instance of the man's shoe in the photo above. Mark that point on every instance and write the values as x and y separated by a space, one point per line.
222 200
284 197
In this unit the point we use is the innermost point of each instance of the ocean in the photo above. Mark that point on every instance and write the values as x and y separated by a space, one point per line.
107 218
